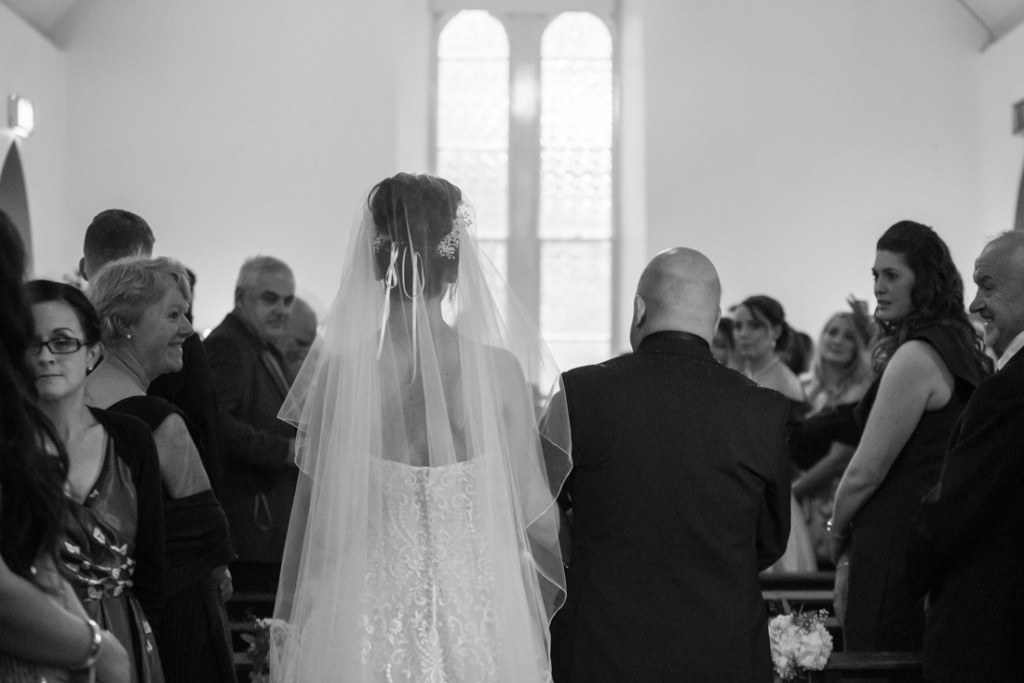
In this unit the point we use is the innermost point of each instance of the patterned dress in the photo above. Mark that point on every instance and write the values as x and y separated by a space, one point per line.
98 555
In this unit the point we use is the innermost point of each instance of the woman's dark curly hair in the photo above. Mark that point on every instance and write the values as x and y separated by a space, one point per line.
32 501
937 297
417 211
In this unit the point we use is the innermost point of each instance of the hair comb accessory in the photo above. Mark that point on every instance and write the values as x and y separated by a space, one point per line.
379 240
449 244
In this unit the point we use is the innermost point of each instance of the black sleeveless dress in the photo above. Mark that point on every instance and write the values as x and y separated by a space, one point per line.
880 614
195 644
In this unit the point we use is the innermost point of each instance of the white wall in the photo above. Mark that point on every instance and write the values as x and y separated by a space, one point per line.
1001 154
781 138
241 127
32 67
784 137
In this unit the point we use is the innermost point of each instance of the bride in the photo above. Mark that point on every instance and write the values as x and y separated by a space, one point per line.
423 545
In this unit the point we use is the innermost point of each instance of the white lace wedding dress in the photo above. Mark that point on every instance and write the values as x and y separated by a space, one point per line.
431 615
423 545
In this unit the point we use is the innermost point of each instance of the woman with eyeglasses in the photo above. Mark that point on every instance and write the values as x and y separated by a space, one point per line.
113 546
44 632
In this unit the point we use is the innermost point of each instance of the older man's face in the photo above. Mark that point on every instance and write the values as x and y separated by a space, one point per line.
298 337
267 303
999 274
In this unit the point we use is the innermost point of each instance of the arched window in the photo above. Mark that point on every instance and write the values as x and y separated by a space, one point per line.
472 121
576 188
525 128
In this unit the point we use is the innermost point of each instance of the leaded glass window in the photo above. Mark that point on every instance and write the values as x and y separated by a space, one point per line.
472 122
551 231
576 189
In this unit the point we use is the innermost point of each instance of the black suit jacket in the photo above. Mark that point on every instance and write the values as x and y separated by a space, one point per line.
679 496
966 547
259 484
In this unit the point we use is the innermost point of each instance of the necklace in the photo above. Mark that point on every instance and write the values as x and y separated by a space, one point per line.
755 375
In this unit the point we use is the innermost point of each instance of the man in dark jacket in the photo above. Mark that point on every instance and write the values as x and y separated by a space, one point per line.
966 548
248 376
679 496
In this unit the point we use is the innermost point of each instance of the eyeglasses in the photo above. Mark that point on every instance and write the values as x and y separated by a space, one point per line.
58 346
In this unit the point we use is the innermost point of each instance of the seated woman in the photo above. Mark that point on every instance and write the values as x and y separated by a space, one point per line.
113 549
824 443
761 331
142 303
44 632
929 360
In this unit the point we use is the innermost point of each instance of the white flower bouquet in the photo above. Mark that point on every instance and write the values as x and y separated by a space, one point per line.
259 647
800 643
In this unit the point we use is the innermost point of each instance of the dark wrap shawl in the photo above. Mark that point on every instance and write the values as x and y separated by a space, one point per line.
196 530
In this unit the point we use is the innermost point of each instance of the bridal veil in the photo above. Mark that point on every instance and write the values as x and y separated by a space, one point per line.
424 539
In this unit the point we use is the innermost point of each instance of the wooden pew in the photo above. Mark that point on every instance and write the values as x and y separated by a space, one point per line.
894 666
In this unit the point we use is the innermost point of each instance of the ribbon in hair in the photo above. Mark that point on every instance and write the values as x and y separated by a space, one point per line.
390 282
417 288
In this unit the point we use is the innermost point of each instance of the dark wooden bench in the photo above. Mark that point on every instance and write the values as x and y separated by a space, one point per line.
894 666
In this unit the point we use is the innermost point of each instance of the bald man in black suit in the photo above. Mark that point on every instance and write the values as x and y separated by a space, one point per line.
679 496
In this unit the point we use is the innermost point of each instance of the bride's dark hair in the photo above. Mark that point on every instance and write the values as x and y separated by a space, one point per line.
417 212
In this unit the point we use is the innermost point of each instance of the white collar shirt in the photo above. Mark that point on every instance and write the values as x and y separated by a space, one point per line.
1016 345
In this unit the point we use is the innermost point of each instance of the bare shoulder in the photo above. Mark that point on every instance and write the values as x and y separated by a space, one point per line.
174 433
916 360
782 380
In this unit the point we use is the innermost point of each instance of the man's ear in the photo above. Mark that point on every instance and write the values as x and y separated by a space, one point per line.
718 319
238 295
639 311
81 269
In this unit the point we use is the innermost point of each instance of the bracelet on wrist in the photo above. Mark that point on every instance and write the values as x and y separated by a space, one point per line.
95 641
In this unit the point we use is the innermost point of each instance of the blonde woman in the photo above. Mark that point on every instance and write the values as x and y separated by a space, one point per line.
823 445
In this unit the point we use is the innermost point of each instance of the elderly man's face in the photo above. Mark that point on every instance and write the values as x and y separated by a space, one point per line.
999 274
267 303
299 335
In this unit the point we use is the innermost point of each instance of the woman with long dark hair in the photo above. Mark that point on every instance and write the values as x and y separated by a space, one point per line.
929 360
761 332
113 553
43 629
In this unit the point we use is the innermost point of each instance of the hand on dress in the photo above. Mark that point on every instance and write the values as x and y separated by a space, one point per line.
222 575
112 664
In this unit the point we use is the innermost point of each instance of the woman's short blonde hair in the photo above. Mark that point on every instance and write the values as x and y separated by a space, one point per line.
127 287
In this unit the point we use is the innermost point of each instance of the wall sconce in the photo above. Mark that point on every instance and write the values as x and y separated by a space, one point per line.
20 116
1018 119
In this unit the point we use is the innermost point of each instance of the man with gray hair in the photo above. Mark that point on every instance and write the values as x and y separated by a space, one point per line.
251 385
966 547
